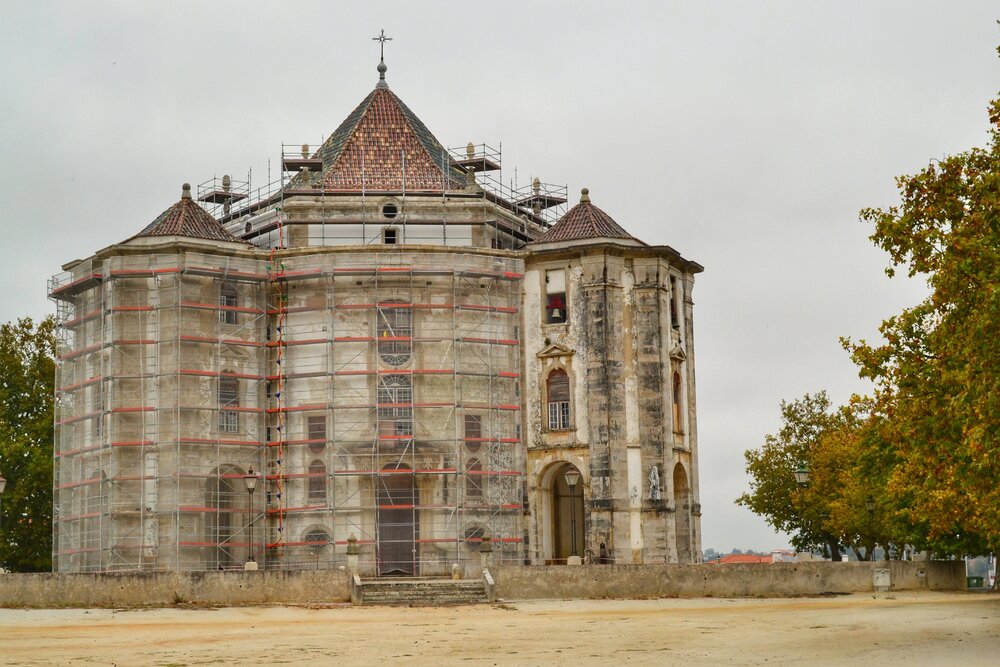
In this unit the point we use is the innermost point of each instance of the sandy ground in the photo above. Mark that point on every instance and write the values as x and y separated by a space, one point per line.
911 629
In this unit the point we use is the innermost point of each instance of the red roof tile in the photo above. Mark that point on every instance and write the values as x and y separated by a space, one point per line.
741 558
383 146
584 221
187 218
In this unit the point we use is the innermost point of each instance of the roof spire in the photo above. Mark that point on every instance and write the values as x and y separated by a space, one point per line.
186 191
585 196
381 39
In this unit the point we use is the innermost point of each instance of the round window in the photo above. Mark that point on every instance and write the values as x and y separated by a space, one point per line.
390 210
317 539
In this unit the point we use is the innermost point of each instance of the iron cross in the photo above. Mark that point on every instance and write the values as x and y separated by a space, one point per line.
381 39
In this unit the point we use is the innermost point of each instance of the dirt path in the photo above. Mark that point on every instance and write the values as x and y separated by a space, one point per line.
911 629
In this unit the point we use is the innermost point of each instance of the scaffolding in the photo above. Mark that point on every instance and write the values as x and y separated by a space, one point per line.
394 415
158 415
545 202
377 391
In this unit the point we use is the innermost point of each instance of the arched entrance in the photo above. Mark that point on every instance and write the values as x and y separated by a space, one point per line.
397 521
567 514
682 514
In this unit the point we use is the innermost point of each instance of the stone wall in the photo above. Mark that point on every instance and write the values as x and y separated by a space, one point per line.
168 588
512 583
738 580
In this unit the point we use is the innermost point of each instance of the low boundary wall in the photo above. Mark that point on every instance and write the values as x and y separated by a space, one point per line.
161 589
513 582
736 580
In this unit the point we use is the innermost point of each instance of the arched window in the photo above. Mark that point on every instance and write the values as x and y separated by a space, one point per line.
678 425
228 300
674 320
317 482
473 432
229 400
316 540
316 433
474 480
395 332
395 405
557 390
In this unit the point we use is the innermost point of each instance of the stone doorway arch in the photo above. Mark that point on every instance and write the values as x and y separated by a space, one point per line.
397 518
562 515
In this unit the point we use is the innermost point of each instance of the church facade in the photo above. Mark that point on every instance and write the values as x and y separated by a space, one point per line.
386 352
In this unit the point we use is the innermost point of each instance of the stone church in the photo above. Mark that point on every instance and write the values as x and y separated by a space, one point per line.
387 351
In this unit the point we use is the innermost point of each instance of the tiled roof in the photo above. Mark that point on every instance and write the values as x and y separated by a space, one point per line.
584 221
187 218
741 558
369 149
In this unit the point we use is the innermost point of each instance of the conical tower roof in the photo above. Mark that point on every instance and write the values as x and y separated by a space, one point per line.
383 146
585 221
187 218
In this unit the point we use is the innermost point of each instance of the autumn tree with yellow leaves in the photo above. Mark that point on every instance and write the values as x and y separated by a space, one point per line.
924 447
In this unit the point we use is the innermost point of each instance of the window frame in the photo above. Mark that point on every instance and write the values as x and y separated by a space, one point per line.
316 492
559 416
229 298
394 319
390 388
473 436
313 433
229 397
473 483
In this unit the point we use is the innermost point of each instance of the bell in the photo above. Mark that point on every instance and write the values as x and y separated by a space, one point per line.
556 314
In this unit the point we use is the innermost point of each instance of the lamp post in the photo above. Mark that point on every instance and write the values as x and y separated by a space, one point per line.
802 474
572 477
250 480
870 506
3 485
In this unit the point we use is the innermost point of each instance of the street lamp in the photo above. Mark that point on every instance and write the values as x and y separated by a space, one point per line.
802 474
3 485
250 479
572 476
870 506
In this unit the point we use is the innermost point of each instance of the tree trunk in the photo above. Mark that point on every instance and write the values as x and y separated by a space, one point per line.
833 546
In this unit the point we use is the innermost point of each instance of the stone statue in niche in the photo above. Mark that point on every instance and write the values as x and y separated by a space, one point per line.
654 483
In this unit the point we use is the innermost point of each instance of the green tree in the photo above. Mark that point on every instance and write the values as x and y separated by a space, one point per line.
774 493
937 373
27 376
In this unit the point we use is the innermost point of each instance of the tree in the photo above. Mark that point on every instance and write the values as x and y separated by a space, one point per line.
27 377
774 493
937 373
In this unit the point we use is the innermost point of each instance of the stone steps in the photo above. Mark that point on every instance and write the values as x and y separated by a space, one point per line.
421 591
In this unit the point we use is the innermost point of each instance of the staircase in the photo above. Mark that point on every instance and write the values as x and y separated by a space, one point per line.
420 591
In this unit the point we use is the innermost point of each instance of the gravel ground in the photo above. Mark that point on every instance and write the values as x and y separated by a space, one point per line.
902 628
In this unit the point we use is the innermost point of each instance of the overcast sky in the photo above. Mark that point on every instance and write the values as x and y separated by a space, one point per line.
747 135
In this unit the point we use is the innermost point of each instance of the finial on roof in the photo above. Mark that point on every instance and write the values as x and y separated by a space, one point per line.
470 150
381 39
227 183
585 196
186 191
305 151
